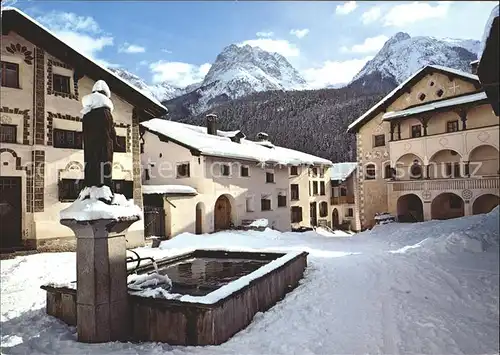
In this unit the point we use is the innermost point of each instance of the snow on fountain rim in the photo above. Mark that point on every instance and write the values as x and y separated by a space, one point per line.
224 291
89 209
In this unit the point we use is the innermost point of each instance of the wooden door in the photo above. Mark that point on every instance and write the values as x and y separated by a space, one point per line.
335 218
314 218
10 212
199 219
222 214
154 222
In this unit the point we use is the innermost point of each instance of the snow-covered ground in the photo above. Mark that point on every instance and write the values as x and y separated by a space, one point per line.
420 288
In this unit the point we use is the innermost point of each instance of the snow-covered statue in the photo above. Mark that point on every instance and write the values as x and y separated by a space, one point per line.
99 136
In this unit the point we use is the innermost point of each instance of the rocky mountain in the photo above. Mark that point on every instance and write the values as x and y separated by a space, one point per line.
403 55
161 92
239 71
312 121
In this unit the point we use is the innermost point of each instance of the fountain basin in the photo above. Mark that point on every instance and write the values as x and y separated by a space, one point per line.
215 295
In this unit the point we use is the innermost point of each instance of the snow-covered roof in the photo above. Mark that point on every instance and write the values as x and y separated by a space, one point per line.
341 171
392 95
474 62
169 190
436 105
196 137
29 18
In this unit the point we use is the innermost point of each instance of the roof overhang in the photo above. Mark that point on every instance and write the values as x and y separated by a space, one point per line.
383 104
463 101
488 70
15 20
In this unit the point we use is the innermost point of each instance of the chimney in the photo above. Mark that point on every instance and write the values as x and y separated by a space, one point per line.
212 124
473 66
262 136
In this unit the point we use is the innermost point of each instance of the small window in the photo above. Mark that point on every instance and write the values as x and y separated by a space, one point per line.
281 200
69 189
10 75
269 177
323 209
8 133
416 131
146 174
388 172
313 172
322 190
67 139
249 204
265 204
321 172
225 170
120 145
296 214
294 192
440 93
343 191
370 172
431 83
124 187
421 97
294 170
379 140
349 212
416 170
315 188
60 83
183 170
452 126
244 171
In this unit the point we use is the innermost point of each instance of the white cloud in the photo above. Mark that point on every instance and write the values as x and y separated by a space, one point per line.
371 15
407 14
69 21
143 63
280 46
300 33
264 34
334 72
131 48
80 32
177 73
84 43
164 50
346 8
370 45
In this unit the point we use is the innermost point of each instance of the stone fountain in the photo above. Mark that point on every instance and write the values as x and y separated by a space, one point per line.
100 218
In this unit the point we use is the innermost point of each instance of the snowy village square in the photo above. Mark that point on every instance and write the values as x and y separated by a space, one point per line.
249 177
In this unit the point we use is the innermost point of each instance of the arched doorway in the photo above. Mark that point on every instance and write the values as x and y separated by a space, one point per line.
485 203
410 209
446 206
222 213
199 218
335 218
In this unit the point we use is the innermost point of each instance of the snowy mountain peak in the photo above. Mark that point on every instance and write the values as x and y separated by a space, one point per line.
402 55
161 91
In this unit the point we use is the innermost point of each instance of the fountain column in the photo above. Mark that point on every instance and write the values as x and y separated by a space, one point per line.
100 218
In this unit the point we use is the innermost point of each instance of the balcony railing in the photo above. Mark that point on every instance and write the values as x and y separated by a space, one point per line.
446 184
342 200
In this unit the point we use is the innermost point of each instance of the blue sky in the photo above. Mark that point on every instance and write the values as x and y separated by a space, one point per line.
328 42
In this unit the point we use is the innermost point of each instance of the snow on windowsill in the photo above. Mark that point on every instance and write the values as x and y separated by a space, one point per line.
168 189
88 207
224 291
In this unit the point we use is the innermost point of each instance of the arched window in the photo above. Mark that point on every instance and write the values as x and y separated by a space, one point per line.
323 209
389 172
370 172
